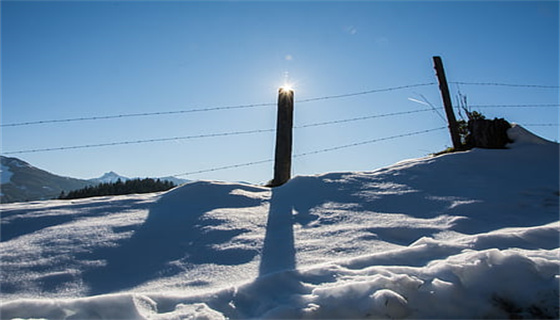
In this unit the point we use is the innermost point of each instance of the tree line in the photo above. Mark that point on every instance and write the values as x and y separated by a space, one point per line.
119 187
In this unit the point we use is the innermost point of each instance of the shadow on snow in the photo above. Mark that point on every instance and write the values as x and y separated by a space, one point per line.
20 222
279 252
176 229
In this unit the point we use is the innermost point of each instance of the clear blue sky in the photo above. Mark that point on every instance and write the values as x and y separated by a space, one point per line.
79 59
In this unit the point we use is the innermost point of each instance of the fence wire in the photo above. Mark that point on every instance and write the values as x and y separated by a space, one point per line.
515 106
498 84
257 131
206 109
209 135
309 152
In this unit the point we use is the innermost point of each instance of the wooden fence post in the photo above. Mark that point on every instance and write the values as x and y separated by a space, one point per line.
284 126
451 120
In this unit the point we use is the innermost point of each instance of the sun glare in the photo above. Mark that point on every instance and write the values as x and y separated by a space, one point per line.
287 87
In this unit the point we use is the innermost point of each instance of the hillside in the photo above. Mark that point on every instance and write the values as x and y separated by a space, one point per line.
24 182
464 235
21 182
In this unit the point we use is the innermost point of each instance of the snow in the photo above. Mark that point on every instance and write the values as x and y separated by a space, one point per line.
522 136
464 235
109 177
5 174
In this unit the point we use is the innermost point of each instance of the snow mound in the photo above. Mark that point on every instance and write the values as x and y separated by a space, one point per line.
521 136
464 235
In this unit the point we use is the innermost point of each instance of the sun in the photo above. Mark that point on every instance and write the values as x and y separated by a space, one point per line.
287 87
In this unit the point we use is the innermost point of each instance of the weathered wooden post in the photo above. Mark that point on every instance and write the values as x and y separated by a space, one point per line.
444 88
284 125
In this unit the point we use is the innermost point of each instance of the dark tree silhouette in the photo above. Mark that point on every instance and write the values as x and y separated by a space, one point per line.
119 187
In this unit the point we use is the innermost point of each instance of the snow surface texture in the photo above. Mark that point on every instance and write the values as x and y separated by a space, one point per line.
5 174
464 235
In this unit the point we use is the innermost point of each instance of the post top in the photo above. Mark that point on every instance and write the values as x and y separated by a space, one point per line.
287 88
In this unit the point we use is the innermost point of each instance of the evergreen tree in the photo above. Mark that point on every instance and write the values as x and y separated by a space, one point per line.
119 188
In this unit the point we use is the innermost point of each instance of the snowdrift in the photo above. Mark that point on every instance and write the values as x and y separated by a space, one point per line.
464 235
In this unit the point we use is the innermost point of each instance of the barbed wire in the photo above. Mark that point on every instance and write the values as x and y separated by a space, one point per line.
209 135
222 168
497 84
255 105
367 92
308 153
87 146
360 118
367 142
131 115
236 133
206 109
540 124
515 106
256 131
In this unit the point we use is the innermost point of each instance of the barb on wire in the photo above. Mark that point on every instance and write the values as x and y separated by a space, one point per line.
497 84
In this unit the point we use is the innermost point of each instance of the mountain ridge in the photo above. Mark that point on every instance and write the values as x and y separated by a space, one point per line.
22 182
28 183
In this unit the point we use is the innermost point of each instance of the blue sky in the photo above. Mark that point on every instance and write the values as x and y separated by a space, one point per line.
77 59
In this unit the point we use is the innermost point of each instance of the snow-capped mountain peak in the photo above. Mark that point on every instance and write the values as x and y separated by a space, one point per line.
109 177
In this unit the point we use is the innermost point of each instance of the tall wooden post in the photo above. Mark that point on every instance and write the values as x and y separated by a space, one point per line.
444 88
284 125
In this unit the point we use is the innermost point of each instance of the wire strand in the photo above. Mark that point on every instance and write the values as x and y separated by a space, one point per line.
87 146
367 92
308 153
219 108
360 118
516 106
367 142
497 84
222 168
131 115
209 135
246 106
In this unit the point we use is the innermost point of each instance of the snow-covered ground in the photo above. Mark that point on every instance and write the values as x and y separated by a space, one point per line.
5 174
465 235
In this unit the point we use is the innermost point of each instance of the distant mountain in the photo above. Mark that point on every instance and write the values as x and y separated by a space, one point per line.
112 176
109 177
21 181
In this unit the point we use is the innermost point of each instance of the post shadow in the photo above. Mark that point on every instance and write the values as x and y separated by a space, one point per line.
279 252
175 230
